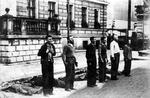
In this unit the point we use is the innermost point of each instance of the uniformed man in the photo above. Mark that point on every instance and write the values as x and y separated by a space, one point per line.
91 62
115 57
102 57
69 62
47 51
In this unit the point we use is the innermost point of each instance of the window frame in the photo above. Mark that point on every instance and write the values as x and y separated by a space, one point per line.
97 19
84 21
95 15
31 8
51 8
71 12
84 14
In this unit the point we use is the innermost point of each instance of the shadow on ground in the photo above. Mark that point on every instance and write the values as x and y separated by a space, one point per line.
139 59
136 86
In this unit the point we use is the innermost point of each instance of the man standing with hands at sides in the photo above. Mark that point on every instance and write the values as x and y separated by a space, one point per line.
91 62
47 51
127 52
69 62
102 57
115 57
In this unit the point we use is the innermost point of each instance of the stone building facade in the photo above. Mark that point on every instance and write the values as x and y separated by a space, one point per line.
30 25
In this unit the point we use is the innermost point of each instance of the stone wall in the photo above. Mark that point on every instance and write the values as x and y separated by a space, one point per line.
80 35
22 50
78 4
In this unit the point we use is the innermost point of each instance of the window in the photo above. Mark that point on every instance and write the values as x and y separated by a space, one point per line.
31 8
96 19
84 14
22 8
70 11
95 15
84 17
85 44
51 9
72 23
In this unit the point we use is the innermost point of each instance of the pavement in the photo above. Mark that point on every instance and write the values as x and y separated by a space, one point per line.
136 86
144 52
20 70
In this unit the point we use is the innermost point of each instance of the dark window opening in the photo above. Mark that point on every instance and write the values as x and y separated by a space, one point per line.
84 17
96 23
71 22
51 9
31 8
85 43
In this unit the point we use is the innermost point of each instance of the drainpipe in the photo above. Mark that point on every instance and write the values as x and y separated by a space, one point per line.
68 20
129 19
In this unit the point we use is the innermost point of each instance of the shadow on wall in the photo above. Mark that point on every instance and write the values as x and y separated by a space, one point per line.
136 86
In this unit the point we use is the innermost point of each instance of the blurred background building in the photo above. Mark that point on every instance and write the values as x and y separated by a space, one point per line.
118 19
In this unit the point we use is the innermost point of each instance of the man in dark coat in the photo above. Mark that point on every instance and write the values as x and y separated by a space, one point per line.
102 57
127 52
47 51
91 62
69 62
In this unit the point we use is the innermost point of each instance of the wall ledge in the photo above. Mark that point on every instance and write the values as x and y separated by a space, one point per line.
26 36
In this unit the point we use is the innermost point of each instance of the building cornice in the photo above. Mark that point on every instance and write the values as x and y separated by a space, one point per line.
98 1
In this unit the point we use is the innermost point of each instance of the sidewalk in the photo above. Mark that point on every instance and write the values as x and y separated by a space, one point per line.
29 69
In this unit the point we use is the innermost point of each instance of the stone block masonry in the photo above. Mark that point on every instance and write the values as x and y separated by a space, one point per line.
23 50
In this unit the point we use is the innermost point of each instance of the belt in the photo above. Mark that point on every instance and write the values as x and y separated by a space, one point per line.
70 57
116 53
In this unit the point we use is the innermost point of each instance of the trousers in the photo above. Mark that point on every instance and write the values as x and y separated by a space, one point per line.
91 73
127 67
70 72
115 65
47 76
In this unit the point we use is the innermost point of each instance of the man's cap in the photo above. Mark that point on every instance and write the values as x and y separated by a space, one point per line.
48 36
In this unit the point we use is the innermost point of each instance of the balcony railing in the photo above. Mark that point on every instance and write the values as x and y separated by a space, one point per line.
14 27
28 26
23 26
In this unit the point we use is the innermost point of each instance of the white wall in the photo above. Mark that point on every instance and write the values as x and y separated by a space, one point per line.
78 42
147 27
11 4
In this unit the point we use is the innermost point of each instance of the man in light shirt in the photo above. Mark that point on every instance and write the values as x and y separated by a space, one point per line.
115 57
70 63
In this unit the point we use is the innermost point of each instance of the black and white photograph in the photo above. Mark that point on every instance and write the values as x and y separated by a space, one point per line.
74 48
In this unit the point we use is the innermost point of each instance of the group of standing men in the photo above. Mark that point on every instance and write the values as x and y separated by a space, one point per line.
102 60
47 51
